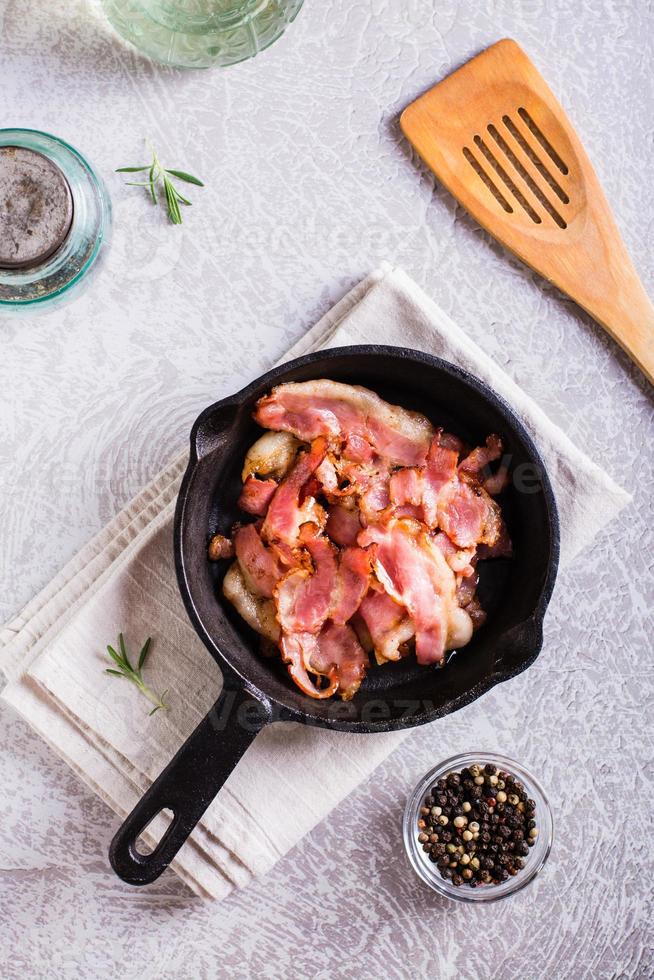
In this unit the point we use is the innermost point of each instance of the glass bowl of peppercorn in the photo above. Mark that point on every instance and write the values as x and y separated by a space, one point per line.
478 827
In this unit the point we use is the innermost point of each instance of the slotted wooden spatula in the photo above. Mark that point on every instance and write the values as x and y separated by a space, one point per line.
496 137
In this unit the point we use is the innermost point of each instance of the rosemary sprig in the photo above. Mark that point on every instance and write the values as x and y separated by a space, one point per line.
135 674
156 174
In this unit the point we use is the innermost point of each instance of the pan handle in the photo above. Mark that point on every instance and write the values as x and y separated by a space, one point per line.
189 783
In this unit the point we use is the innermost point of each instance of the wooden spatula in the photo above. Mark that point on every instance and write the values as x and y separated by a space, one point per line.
496 137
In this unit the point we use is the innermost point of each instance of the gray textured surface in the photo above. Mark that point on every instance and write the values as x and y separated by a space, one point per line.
309 185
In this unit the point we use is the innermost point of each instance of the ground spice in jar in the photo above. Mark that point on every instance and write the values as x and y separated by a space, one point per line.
477 826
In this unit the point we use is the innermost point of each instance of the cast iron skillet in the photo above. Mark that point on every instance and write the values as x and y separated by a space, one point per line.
257 690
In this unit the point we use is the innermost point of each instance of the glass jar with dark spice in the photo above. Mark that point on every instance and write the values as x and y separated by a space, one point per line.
55 220
495 862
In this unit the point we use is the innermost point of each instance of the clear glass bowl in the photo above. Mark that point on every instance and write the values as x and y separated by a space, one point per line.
201 33
58 277
429 872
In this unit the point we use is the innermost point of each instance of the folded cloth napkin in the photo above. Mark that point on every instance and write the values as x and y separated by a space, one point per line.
124 579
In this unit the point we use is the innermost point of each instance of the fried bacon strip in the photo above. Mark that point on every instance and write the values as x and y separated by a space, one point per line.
371 525
286 514
256 495
350 414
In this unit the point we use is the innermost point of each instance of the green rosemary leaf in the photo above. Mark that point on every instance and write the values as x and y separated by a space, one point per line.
135 676
123 650
180 197
153 191
115 656
144 652
173 206
158 175
182 175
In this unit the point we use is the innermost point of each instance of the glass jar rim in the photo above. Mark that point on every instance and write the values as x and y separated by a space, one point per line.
91 221
169 14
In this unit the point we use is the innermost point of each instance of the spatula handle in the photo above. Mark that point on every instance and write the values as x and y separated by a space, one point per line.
629 318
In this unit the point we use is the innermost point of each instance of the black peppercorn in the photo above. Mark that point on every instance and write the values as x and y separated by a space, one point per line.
495 843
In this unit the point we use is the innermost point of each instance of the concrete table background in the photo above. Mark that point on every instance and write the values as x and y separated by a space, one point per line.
309 186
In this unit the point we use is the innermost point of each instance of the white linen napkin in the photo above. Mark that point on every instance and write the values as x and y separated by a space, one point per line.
124 579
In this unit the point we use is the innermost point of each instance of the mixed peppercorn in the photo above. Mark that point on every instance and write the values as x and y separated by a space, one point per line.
477 826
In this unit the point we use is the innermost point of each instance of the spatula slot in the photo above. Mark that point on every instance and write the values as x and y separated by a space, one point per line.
543 140
529 181
481 173
502 174
529 152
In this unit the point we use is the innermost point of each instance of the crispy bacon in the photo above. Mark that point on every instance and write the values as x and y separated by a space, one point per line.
351 584
480 457
304 598
468 515
415 490
327 476
256 495
340 654
357 449
258 564
370 534
459 559
414 572
388 624
375 499
501 547
343 524
440 472
339 411
220 547
406 486
297 650
286 514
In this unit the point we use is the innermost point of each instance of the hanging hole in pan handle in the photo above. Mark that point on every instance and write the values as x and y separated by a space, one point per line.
188 784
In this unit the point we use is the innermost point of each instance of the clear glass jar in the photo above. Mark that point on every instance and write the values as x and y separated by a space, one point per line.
58 276
427 870
201 33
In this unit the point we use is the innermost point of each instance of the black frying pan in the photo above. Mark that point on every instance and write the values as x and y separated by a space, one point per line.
257 690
